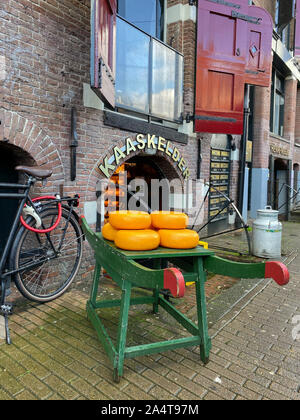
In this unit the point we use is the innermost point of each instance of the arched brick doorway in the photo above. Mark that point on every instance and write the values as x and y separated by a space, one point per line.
150 167
10 157
23 142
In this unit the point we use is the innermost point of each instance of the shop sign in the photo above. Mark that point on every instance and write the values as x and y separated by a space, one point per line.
142 143
249 151
279 150
220 182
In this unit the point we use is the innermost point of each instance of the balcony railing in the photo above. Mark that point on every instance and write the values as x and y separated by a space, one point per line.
149 74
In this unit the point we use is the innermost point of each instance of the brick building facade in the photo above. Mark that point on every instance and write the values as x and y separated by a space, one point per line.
275 149
45 73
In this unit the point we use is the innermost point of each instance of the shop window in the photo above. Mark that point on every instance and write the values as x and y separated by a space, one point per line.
277 104
147 77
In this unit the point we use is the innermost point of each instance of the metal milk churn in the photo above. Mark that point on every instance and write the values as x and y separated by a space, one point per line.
267 234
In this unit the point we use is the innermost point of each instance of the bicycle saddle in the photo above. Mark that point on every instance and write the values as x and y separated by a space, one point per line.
35 171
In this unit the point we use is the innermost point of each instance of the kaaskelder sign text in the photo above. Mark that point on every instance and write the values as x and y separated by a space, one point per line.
141 143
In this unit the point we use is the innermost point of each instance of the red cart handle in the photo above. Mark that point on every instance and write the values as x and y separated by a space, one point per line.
174 281
277 271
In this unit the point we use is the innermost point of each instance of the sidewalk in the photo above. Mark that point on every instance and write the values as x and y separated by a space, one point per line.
56 355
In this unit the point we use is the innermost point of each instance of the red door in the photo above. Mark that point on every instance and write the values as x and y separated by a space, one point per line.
220 79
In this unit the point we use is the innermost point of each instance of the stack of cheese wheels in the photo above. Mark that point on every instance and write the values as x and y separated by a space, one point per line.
131 231
172 230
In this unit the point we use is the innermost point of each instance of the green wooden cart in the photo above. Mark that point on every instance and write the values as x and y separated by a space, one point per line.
125 269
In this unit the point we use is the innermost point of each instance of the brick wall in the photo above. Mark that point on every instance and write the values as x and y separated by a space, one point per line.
44 57
261 127
44 62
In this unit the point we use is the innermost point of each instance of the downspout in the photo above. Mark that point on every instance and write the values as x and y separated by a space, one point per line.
199 159
243 151
199 149
73 143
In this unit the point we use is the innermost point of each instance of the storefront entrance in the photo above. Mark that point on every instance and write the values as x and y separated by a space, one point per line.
280 185
128 181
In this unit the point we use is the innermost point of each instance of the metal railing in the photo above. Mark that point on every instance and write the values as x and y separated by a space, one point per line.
229 203
291 198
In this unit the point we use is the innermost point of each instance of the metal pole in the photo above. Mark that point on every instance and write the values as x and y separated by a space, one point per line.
243 151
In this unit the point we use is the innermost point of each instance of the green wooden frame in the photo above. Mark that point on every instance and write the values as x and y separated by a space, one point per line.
125 270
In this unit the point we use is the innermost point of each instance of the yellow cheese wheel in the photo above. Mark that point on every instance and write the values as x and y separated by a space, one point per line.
178 239
137 240
130 220
109 232
169 220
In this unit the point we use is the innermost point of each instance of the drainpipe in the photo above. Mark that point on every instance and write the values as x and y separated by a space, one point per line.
199 160
73 143
243 151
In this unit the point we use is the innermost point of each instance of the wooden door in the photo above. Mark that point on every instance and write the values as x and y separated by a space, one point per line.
220 78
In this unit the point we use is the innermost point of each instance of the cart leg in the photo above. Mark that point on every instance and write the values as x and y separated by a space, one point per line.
156 298
201 311
95 285
122 330
156 266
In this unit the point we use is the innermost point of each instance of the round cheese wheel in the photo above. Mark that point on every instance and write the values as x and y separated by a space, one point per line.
109 232
130 220
137 240
178 239
169 220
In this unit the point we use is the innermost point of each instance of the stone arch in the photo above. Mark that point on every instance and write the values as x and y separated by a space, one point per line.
26 135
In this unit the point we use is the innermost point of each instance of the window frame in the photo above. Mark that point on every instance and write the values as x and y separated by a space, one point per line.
159 27
285 32
151 117
102 55
276 75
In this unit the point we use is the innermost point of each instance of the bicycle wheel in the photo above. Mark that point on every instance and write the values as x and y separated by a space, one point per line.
56 255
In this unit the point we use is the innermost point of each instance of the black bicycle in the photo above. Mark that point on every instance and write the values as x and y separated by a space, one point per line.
43 250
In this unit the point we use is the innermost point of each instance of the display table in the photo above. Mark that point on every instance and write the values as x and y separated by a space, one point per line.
126 271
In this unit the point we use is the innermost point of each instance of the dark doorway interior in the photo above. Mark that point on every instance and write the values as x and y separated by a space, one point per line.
138 167
10 157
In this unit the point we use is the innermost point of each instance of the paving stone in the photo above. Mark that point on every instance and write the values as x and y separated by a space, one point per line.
160 393
86 390
65 391
170 387
36 386
190 386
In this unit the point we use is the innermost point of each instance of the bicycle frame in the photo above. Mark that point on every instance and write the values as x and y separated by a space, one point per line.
24 197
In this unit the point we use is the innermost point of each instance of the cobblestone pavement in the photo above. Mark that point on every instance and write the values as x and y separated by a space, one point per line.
55 353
